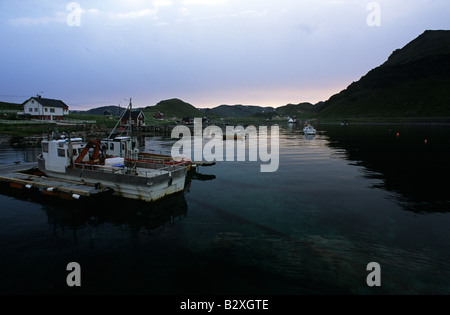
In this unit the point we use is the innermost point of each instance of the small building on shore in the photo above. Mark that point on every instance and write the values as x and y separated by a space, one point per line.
159 116
45 108
136 118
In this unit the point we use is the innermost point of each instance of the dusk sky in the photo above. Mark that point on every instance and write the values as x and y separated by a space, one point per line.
205 52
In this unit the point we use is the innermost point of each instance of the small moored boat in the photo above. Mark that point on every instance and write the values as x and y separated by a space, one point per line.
309 130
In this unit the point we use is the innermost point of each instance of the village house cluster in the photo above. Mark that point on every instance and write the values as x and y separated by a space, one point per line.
56 110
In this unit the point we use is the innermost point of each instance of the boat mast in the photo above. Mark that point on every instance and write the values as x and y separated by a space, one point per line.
120 119
130 127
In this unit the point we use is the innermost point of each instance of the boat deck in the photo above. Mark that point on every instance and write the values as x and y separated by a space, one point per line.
17 178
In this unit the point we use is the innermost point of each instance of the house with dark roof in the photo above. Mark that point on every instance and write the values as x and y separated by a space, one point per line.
137 118
45 108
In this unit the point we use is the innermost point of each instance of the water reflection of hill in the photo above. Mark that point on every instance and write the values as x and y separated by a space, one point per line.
412 161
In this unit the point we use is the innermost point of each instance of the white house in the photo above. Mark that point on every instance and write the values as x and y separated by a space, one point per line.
45 108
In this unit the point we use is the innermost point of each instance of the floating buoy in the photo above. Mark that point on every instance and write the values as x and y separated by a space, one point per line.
426 141
398 134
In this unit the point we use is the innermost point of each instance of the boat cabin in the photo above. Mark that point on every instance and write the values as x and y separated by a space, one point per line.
59 154
119 146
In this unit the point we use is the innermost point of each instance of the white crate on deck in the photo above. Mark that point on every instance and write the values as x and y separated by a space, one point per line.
114 161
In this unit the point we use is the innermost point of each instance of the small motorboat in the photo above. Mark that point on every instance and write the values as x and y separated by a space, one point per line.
309 130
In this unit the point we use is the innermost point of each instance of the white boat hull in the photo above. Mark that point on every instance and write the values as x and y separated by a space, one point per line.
154 187
309 131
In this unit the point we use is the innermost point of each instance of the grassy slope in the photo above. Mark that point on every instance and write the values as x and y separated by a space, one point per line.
296 110
419 97
237 111
10 106
100 120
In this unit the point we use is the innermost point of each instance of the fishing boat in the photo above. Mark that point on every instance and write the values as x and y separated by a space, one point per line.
72 159
309 130
126 147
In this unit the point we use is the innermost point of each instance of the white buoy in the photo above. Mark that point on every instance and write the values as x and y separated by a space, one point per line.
76 196
29 186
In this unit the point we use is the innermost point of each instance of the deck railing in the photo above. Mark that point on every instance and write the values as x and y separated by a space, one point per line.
128 170
155 160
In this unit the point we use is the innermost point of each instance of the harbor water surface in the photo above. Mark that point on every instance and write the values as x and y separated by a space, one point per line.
341 199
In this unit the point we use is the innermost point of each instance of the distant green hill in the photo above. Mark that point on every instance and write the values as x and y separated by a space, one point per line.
10 106
173 108
106 110
238 111
301 109
413 82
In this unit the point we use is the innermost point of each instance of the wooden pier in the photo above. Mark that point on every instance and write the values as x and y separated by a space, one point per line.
22 177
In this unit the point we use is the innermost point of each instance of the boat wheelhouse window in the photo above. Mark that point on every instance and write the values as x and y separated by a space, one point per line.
79 151
45 147
111 146
61 152
123 146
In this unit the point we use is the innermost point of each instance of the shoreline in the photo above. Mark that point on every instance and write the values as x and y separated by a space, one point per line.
7 137
390 123
384 120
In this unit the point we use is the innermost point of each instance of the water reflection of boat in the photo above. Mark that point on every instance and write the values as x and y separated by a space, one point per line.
135 215
196 175
309 137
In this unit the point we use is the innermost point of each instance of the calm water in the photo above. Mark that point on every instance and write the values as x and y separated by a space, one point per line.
340 200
